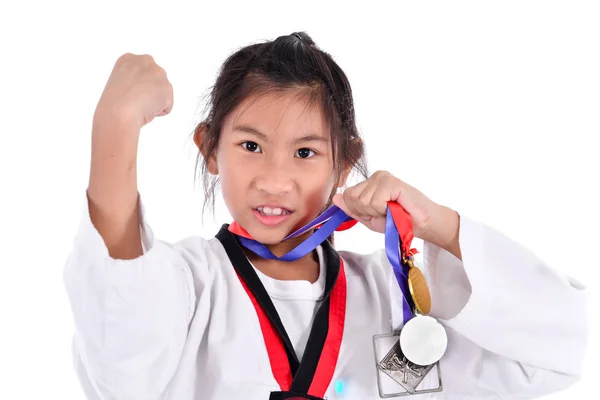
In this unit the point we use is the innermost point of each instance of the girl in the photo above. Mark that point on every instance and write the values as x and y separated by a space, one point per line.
221 318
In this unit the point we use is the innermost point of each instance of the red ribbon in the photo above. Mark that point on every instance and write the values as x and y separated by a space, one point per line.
329 355
403 222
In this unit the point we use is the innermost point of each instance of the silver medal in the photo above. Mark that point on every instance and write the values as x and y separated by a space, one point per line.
423 340
403 371
399 368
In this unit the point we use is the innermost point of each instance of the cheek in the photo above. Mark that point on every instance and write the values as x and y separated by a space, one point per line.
319 184
233 179
230 163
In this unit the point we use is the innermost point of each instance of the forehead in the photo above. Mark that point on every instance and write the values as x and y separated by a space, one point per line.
290 113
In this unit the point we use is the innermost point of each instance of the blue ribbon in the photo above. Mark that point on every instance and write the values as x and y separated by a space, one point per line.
308 245
392 250
335 217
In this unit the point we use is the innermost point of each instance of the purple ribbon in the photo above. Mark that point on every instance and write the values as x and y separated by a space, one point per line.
335 217
392 250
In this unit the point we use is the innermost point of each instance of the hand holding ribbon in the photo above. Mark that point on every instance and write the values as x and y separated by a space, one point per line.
367 202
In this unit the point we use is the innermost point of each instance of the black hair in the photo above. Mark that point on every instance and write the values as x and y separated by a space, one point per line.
291 61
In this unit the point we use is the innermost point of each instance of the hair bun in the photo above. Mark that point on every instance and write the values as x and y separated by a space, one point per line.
304 38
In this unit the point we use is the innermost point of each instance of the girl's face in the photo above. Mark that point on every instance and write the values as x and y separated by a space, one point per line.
275 164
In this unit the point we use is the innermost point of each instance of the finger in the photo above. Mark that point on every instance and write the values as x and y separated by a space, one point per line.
382 197
379 202
352 200
169 100
338 200
366 198
373 199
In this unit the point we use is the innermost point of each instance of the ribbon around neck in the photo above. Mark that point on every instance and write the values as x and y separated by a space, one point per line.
398 238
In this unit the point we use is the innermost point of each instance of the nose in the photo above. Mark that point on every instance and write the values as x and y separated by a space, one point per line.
275 178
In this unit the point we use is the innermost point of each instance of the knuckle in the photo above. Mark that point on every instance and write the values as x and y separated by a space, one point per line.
349 196
147 58
387 179
126 56
364 199
125 59
159 73
169 88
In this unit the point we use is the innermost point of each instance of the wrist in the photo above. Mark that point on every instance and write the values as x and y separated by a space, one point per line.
114 139
114 157
109 118
444 229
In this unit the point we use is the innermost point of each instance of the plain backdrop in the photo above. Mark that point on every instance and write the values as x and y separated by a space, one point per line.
491 108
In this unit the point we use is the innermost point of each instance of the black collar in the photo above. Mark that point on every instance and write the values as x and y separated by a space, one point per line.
302 371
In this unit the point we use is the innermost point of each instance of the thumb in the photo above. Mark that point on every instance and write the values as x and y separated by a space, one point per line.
338 200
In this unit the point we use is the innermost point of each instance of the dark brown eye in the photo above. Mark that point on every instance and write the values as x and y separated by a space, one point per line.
251 146
305 153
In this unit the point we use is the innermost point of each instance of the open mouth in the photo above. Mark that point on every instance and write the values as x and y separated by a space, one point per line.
272 216
273 212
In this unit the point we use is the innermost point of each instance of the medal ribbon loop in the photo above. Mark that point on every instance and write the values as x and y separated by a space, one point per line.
398 238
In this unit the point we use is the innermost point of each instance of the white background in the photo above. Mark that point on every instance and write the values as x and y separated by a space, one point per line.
489 108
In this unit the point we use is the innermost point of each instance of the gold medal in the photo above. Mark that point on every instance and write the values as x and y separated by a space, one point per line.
419 291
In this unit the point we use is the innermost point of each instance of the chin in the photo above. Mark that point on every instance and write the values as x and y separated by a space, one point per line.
269 240
268 236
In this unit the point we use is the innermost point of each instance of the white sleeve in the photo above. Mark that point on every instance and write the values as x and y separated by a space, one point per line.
519 327
131 316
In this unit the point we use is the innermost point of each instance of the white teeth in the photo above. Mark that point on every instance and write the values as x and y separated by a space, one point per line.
272 211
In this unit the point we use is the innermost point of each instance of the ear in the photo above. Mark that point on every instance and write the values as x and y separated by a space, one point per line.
199 137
